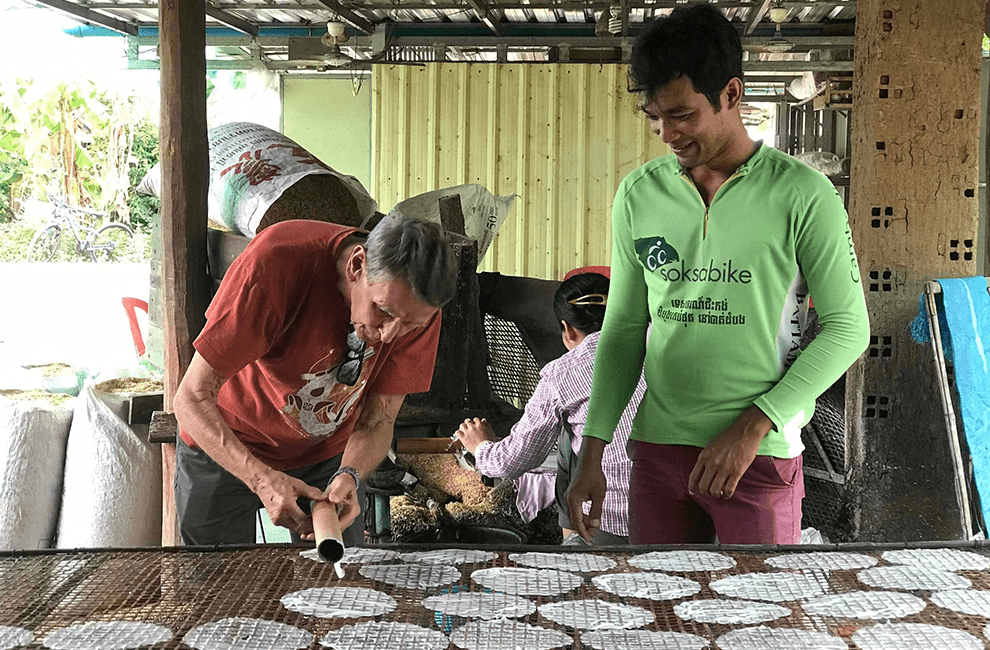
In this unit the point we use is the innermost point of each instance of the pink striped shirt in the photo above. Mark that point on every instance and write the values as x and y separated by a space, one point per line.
562 394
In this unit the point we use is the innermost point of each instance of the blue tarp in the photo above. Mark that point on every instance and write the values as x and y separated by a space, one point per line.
965 322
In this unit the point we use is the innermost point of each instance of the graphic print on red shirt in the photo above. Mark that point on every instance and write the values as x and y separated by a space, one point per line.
323 402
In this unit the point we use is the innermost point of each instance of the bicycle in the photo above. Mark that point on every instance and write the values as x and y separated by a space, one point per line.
99 244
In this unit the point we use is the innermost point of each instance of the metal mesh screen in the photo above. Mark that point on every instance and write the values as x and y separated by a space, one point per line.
824 441
512 370
513 375
182 589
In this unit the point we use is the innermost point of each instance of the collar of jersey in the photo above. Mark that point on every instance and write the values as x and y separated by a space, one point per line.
744 168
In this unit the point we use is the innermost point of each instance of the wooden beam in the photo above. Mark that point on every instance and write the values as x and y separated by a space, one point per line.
797 66
459 377
486 16
91 16
409 446
185 182
163 428
350 16
758 16
232 21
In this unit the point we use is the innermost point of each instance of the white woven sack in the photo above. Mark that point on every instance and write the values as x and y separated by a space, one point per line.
252 165
33 437
112 495
483 211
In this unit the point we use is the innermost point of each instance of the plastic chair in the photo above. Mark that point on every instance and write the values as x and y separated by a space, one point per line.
604 270
130 305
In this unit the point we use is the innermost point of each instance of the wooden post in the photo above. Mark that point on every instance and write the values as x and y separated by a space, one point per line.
185 182
452 214
460 379
985 180
912 209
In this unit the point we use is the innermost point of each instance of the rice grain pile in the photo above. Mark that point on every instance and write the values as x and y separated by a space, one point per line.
54 369
36 396
475 502
130 385
442 471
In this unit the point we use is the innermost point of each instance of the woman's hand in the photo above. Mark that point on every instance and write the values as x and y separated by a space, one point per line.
473 432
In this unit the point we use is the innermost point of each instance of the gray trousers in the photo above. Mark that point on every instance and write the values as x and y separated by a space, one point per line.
566 467
215 507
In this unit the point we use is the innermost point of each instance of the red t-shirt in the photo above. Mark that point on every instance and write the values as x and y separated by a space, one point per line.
277 330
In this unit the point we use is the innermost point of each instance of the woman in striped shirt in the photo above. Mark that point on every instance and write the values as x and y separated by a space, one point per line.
557 412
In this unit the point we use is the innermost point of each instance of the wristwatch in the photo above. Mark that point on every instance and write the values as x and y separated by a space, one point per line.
353 473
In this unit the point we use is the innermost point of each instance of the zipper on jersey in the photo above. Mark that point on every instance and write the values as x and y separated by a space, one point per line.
687 177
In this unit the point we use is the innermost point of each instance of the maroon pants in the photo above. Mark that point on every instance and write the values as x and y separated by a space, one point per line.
765 509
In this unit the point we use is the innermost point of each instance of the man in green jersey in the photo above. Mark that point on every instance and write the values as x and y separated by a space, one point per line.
720 245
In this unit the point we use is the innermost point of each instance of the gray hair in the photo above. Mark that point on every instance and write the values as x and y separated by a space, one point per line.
415 251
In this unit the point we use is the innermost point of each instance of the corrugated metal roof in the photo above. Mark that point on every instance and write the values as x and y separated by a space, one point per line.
280 13
528 30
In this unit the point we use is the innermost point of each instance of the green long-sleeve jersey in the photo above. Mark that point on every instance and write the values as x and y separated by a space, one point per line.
726 289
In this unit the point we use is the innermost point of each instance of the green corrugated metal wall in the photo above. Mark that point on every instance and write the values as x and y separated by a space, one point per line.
562 137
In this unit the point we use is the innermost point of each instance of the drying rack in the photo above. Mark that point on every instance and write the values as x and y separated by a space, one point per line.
183 588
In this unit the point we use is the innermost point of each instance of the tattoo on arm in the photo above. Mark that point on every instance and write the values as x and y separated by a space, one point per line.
214 385
204 381
379 412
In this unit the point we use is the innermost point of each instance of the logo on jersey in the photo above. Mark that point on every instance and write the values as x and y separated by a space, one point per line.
654 252
712 272
853 264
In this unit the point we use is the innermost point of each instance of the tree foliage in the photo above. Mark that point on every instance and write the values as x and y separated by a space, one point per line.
72 140
144 155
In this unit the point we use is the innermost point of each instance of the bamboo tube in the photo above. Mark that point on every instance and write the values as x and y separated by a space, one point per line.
329 542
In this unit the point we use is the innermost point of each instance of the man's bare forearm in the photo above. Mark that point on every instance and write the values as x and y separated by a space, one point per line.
591 453
372 436
195 407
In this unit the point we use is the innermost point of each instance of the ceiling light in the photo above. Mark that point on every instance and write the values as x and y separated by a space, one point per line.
778 46
336 29
779 14
336 59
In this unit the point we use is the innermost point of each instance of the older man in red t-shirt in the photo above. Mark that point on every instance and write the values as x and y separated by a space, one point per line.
315 336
